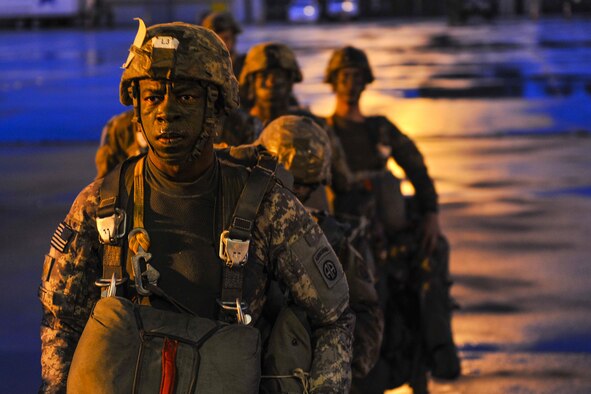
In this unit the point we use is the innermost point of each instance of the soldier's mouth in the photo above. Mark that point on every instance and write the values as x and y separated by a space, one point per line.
169 137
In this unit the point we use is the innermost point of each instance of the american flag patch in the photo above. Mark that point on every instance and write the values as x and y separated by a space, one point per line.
61 237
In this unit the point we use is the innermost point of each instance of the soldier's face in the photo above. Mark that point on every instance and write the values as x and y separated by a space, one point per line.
272 86
349 83
229 38
172 116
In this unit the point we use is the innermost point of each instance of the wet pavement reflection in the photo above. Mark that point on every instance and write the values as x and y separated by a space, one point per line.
502 113
534 73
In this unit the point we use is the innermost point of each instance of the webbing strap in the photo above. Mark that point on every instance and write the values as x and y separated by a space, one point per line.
138 194
242 223
251 198
112 262
109 193
109 198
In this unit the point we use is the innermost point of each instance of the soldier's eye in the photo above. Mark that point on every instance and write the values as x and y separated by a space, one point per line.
187 98
152 98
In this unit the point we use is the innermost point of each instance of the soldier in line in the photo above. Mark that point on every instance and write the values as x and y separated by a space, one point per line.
228 29
414 239
303 148
180 82
120 139
240 128
269 73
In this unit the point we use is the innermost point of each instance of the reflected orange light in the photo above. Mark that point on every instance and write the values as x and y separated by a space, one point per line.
405 389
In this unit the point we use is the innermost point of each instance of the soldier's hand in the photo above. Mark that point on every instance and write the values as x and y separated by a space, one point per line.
430 231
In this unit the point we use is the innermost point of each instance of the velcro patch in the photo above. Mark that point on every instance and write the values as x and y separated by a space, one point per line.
61 237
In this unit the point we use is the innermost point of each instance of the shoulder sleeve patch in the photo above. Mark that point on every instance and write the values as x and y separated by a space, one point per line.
62 237
315 249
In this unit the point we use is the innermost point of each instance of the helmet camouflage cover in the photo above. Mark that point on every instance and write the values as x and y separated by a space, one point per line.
301 146
348 57
222 21
270 55
180 51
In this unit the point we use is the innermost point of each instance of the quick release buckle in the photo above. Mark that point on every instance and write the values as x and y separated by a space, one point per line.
233 251
239 308
109 286
112 228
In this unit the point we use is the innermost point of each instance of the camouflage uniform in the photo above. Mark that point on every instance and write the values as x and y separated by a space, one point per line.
285 239
271 55
304 149
239 129
119 140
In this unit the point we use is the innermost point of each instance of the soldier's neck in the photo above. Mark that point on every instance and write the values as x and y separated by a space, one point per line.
185 172
349 111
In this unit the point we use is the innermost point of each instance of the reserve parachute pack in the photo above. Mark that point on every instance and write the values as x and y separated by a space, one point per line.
126 347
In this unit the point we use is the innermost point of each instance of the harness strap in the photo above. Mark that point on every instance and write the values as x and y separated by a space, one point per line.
238 237
108 210
138 195
251 198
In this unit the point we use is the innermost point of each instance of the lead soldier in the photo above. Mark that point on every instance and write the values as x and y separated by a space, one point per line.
180 198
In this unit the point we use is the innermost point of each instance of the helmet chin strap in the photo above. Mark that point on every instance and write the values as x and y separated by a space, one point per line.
210 122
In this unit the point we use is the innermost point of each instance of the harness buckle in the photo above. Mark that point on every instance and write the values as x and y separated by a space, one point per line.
239 308
109 286
150 274
233 251
112 228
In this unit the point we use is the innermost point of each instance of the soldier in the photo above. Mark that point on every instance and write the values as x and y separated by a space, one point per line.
368 143
179 197
303 148
269 73
121 138
226 27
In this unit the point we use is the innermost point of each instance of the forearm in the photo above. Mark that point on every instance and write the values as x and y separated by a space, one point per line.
333 346
369 331
58 342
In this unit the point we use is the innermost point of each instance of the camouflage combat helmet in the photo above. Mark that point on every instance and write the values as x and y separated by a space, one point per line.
348 57
181 51
222 21
301 145
269 55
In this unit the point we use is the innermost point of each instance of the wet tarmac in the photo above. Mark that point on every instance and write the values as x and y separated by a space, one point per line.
62 85
501 111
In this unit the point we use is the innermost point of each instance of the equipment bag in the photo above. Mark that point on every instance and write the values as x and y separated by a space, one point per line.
130 348
288 354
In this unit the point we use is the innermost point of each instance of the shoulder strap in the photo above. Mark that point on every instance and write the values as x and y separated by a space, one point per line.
111 219
235 241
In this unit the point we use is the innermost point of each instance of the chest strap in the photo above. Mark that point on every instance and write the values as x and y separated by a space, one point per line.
235 241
